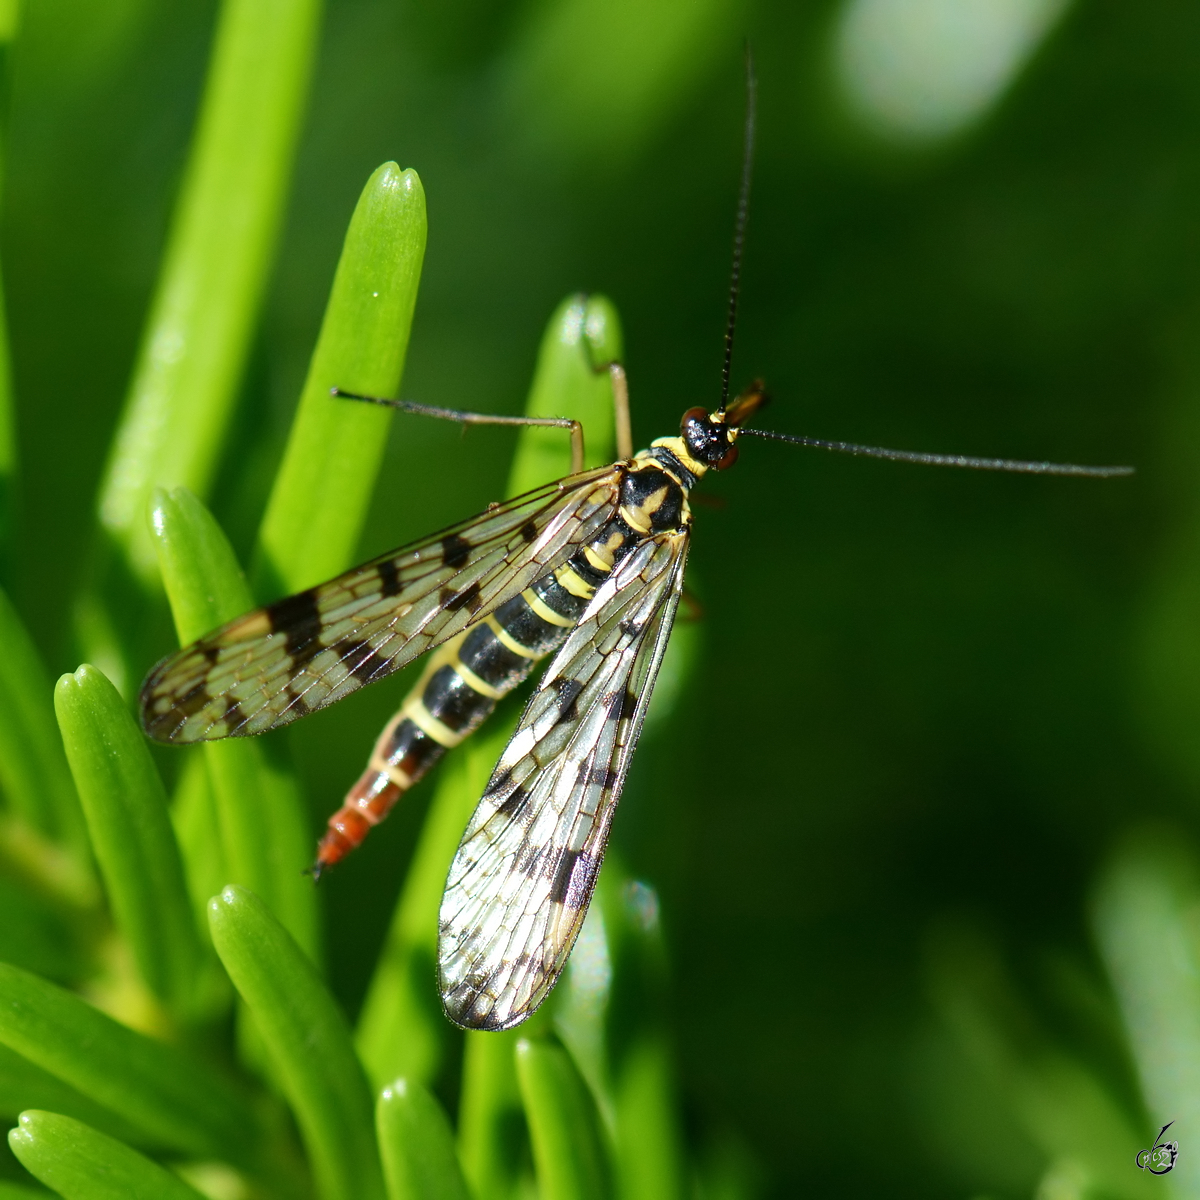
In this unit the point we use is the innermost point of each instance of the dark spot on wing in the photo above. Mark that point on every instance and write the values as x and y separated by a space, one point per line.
568 693
455 550
299 620
360 659
604 777
234 717
498 782
514 803
468 598
192 701
529 531
389 577
621 705
573 879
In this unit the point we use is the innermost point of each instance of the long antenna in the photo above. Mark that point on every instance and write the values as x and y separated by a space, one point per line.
1015 465
739 228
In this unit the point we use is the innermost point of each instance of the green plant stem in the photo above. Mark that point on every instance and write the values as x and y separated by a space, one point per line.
417 1146
126 810
33 770
488 1110
264 829
567 1150
218 255
335 449
649 1156
173 1099
194 817
308 1042
81 1164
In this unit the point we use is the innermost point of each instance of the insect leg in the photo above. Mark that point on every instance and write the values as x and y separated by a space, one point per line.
622 427
463 417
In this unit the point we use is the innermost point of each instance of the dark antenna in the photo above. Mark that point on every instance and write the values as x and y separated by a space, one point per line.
1016 465
739 228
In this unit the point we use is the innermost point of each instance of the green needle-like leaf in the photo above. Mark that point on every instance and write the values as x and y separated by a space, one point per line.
204 582
222 241
8 423
417 1146
126 810
324 484
194 816
33 771
17 1191
567 1150
649 1155
38 934
81 1164
308 1042
264 829
488 1113
173 1099
25 1085
570 380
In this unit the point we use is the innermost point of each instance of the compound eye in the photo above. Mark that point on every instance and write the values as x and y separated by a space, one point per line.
727 459
690 418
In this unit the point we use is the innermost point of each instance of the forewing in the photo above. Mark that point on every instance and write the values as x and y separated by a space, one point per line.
314 648
521 881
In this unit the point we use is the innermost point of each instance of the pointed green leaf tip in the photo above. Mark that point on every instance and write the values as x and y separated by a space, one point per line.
204 582
306 1036
320 498
126 810
419 1162
81 1164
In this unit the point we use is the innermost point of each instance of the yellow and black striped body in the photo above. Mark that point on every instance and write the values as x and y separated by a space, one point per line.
466 677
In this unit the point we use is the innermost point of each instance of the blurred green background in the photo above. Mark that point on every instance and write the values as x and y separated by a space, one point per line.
931 705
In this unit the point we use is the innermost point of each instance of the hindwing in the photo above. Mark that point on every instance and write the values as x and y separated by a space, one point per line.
520 884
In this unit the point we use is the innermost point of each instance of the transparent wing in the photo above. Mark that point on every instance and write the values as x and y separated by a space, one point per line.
314 648
521 881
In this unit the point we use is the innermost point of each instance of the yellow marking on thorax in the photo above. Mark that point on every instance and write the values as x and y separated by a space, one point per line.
544 611
677 447
507 640
573 583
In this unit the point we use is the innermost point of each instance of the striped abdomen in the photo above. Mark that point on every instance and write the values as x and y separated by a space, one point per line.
467 676
458 689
